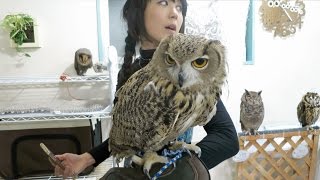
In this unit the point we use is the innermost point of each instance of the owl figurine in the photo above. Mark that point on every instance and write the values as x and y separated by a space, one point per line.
308 109
177 90
251 112
82 61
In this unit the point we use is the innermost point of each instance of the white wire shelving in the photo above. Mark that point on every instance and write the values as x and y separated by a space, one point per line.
64 116
13 83
52 81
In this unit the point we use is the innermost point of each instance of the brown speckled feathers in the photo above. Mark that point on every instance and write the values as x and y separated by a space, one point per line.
251 111
178 89
308 109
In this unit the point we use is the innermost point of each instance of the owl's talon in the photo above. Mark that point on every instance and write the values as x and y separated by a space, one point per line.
115 161
186 147
198 153
190 154
310 129
150 158
130 161
146 172
174 164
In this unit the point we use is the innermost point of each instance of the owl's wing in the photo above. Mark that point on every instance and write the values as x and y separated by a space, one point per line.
242 118
301 113
143 114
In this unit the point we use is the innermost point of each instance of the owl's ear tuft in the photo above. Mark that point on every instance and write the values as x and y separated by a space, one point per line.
163 47
217 42
165 42
217 46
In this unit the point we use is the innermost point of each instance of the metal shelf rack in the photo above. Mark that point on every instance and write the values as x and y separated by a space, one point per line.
7 83
44 82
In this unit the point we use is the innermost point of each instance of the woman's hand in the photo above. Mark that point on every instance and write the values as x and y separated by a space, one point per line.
73 164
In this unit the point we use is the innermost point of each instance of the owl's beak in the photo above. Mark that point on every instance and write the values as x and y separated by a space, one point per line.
180 78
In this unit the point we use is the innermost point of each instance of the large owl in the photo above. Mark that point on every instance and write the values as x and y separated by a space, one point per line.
308 109
178 89
251 112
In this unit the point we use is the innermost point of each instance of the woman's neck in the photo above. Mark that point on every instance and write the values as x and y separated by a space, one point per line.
146 45
146 54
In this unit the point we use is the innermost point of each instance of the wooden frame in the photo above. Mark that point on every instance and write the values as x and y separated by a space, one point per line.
33 35
272 158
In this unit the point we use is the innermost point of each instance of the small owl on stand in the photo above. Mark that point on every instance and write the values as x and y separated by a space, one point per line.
251 112
82 61
308 109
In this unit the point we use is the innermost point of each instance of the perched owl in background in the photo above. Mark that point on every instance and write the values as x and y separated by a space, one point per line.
178 89
251 112
308 109
82 61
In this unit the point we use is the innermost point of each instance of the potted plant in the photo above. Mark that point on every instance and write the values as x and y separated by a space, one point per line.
21 28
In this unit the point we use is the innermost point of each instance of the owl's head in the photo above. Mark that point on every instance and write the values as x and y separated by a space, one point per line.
189 60
252 97
83 56
312 99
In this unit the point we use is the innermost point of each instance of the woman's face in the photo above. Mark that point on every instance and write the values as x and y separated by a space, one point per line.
162 18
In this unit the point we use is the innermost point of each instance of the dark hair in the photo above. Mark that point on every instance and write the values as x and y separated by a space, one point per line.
133 14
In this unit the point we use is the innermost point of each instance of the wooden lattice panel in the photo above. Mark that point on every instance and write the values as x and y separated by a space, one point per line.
271 155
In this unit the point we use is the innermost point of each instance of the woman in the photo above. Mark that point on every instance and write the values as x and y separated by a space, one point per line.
148 22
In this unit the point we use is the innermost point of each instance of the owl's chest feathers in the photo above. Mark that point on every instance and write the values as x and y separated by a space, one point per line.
156 109
183 101
312 113
190 111
252 111
252 108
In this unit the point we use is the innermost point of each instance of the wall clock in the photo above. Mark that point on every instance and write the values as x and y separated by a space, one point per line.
282 17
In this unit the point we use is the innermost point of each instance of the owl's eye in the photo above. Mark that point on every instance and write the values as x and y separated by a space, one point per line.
200 63
170 61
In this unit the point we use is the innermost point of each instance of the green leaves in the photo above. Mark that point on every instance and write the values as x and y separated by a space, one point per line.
17 25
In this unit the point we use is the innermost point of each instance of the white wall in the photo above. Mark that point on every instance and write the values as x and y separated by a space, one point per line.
64 27
284 69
